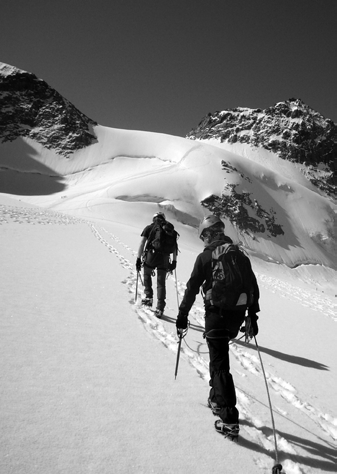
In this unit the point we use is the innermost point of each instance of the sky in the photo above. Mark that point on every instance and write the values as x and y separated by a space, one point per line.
162 65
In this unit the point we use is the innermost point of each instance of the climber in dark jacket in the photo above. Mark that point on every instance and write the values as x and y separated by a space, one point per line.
154 260
220 326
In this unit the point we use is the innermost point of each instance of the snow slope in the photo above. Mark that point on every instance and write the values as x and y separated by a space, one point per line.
88 375
137 167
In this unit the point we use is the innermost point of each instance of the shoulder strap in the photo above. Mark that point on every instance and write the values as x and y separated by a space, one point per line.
221 249
148 243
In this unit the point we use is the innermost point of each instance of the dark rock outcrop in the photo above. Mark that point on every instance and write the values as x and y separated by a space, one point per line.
29 107
245 213
291 129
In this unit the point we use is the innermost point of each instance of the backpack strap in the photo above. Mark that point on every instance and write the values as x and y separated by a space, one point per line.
223 248
149 239
216 252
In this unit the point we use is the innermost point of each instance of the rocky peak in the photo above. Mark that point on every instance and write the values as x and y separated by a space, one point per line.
29 107
291 129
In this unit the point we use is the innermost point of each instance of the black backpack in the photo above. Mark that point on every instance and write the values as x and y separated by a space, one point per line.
232 279
163 238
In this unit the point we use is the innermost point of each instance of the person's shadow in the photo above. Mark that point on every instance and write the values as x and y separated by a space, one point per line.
315 450
293 359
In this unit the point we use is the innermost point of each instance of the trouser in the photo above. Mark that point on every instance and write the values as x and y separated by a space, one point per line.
222 390
161 285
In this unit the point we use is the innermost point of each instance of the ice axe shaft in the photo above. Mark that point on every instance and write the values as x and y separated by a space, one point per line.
138 277
136 295
178 355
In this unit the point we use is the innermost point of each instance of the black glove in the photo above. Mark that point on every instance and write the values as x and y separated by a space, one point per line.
182 321
172 266
138 264
250 327
254 329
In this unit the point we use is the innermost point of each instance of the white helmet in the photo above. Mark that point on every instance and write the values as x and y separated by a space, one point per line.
159 215
211 222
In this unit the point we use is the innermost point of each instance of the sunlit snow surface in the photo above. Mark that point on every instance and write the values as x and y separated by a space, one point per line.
85 387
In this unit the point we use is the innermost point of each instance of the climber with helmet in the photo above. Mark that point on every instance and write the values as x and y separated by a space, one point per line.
159 241
221 324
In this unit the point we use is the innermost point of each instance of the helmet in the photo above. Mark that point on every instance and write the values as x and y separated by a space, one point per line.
211 221
159 215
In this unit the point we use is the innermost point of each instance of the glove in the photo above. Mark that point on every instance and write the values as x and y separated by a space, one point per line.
253 320
172 266
181 322
138 264
251 327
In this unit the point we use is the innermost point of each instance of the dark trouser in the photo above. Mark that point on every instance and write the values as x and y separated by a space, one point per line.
161 285
222 390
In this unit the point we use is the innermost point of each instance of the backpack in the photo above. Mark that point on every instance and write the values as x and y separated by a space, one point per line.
232 279
163 238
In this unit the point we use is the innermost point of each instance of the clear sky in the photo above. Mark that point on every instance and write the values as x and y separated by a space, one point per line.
162 65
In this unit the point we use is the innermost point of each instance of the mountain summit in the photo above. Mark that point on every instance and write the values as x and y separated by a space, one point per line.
290 129
31 108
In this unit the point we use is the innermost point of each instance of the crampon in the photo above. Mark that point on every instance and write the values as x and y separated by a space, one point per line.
230 431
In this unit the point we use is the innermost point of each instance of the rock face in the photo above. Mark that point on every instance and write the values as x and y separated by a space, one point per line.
290 129
29 107
234 206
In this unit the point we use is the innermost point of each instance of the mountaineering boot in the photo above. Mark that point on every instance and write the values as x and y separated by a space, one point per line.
147 302
159 313
214 407
230 431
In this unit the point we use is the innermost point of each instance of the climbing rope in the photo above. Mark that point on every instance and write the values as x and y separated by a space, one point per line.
206 352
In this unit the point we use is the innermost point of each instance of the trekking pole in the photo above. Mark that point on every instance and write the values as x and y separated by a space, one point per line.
278 467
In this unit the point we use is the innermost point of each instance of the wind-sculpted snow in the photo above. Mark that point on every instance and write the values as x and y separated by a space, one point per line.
287 401
261 199
283 209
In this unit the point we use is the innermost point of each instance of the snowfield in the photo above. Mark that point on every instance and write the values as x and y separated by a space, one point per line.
88 380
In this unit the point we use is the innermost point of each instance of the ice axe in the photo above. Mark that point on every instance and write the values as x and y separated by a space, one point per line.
138 276
178 354
181 334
